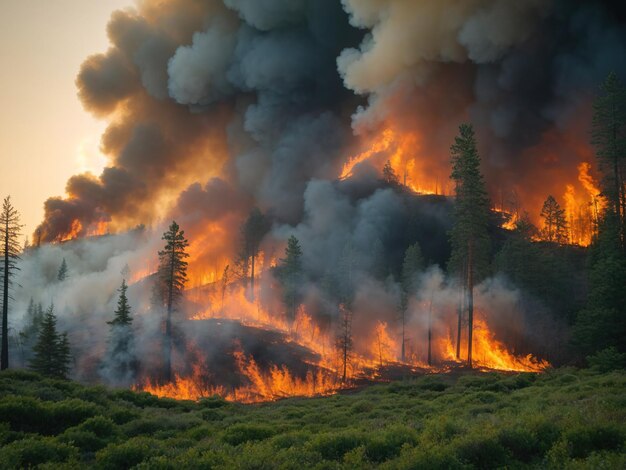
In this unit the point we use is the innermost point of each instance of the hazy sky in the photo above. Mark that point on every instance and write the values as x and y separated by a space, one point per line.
45 135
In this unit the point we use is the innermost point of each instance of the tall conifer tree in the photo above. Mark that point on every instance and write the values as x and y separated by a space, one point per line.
469 237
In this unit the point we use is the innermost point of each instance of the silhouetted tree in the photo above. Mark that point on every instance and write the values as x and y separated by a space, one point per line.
469 237
120 362
389 175
554 222
30 332
225 280
252 232
290 275
62 273
172 276
344 339
10 229
52 351
608 131
413 263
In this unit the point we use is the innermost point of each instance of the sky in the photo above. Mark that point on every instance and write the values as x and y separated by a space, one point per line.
45 134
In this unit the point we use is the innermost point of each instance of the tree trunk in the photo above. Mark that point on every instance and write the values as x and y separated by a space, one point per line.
430 332
4 356
403 353
461 308
470 302
252 276
168 321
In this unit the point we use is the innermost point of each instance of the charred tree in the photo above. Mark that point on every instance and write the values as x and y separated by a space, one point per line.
172 277
469 237
252 232
224 284
413 263
344 340
10 229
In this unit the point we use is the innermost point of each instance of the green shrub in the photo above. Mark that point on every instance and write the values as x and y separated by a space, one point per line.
86 441
361 406
240 433
291 439
482 452
24 413
607 360
100 426
213 402
333 446
388 444
521 443
436 458
212 415
127 454
433 384
34 451
585 440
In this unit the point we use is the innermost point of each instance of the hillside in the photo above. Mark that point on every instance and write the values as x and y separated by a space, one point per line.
563 418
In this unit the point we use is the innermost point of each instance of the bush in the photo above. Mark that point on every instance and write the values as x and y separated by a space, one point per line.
86 441
388 444
607 360
240 433
521 443
333 446
482 452
585 440
127 454
33 451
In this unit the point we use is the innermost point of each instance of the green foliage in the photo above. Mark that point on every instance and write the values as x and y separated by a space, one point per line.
62 273
560 419
240 433
606 360
52 351
472 209
32 451
290 275
172 274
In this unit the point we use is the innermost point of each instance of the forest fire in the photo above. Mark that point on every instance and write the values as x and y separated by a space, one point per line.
367 361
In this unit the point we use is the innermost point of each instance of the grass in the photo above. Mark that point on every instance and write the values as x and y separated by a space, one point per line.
561 419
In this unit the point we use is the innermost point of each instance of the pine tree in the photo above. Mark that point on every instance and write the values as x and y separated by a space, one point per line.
290 274
62 273
52 351
252 232
469 237
172 277
608 136
413 263
120 363
389 175
30 332
10 229
554 222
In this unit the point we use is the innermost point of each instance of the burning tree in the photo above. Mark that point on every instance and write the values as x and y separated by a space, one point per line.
555 223
469 237
172 276
10 229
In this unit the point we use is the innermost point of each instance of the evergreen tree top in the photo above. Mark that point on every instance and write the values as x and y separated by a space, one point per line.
122 313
